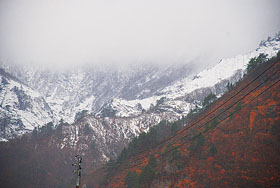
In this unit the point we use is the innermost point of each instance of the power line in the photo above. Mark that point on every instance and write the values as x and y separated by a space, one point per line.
236 110
216 115
180 145
140 158
212 111
211 119
221 120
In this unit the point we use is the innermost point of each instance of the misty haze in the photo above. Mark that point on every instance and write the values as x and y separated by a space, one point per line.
65 33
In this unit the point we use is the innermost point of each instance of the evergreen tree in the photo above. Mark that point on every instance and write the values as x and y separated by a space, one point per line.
131 180
122 157
209 99
147 175
256 61
153 161
229 86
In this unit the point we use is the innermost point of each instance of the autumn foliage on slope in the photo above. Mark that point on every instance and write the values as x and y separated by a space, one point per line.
236 145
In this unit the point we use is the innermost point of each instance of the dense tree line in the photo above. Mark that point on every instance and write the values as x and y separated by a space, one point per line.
262 58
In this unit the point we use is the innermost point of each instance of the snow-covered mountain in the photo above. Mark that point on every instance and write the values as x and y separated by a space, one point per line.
91 88
226 69
21 108
136 97
186 92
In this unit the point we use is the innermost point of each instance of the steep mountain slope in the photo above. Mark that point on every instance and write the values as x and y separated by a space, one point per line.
21 108
226 145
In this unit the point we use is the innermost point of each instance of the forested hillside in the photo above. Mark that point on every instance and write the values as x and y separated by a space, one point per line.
233 142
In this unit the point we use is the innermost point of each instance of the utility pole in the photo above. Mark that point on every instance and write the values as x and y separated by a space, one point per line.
78 170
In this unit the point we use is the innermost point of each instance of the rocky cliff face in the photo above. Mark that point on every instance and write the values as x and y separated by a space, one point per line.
21 108
91 88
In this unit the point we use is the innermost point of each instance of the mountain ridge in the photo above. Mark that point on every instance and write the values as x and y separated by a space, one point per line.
65 99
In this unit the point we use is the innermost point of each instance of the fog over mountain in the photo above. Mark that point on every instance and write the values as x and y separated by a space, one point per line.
184 92
67 33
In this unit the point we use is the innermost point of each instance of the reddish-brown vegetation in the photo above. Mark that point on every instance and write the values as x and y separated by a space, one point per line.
239 148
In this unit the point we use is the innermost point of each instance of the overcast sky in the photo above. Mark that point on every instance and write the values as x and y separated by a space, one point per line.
71 32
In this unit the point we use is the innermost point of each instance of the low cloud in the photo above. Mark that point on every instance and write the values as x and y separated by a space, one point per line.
63 33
